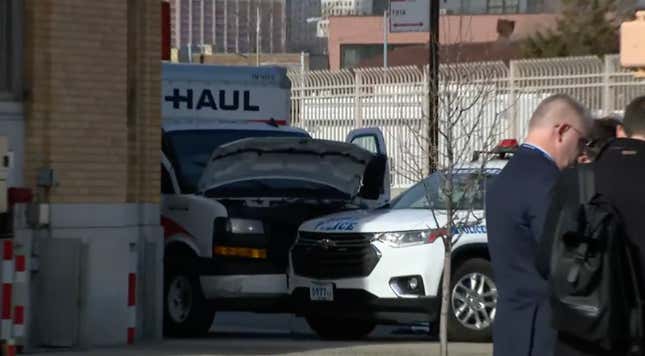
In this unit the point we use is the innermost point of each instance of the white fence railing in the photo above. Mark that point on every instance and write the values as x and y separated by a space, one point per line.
330 104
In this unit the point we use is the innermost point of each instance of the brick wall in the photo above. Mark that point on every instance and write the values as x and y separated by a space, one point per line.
92 98
144 108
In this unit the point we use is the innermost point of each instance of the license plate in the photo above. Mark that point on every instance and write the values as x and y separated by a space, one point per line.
321 292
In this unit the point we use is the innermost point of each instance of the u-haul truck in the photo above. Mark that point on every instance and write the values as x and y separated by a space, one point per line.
237 181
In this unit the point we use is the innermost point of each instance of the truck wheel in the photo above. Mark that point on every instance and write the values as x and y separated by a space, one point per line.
338 328
186 312
473 302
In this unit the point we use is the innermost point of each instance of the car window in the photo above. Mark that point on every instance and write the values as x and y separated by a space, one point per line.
367 142
431 193
191 150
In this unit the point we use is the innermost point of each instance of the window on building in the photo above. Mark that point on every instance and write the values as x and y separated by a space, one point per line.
9 48
477 7
503 6
353 55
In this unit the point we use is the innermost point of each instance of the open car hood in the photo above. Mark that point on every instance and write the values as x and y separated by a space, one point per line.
342 166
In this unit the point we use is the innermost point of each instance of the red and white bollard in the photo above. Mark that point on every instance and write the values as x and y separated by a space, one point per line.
19 309
8 348
7 289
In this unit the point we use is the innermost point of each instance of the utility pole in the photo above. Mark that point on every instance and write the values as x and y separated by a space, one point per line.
190 32
201 26
258 42
214 24
225 26
433 92
385 31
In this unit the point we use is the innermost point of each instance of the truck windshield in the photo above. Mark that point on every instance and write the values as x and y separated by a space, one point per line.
190 150
431 193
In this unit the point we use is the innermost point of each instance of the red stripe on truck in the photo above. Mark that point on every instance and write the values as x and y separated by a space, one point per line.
171 228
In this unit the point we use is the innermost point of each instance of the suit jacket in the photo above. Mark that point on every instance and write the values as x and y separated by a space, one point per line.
620 177
516 205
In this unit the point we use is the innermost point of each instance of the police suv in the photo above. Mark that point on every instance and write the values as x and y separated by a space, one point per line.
237 182
350 271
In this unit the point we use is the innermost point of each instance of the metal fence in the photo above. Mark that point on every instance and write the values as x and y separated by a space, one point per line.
330 104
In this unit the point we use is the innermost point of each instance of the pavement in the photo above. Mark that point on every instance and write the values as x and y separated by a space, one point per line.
244 345
257 334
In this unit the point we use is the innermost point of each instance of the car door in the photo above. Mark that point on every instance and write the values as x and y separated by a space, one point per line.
371 139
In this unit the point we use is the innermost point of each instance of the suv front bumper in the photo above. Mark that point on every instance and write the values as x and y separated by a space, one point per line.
362 305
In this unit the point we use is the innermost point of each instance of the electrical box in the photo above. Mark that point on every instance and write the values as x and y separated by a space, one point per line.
632 42
4 172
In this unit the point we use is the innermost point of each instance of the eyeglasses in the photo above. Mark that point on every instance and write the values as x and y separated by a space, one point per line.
582 141
591 143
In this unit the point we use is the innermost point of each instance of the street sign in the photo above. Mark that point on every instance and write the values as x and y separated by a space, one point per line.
409 16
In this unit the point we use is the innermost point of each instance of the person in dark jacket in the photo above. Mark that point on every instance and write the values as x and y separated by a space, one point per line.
602 131
620 177
516 204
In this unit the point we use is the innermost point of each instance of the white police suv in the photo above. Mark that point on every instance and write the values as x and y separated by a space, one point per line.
352 270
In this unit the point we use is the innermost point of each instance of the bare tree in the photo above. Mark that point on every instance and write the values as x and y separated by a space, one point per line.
471 119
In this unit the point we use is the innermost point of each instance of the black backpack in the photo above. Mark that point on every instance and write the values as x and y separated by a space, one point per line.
594 285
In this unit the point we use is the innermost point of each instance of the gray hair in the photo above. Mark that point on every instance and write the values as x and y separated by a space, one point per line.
556 108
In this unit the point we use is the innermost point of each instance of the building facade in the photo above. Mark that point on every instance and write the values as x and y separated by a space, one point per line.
479 7
229 26
79 102
353 40
301 27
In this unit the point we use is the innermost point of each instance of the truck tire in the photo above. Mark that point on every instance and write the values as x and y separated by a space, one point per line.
473 302
338 328
186 312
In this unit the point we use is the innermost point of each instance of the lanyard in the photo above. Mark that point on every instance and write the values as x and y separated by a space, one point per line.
539 150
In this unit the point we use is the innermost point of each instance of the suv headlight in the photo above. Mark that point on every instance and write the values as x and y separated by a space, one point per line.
409 238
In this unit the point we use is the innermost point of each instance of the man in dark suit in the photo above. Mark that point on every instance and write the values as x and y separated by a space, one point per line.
516 205
620 177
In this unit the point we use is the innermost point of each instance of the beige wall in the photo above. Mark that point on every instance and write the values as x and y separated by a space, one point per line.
453 29
92 106
292 60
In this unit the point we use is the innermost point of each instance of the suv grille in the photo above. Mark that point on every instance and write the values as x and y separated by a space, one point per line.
333 256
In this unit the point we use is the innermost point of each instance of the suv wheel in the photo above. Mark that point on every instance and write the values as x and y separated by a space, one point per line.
473 302
339 328
186 312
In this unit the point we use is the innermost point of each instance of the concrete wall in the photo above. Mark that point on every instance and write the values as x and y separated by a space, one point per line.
109 232
78 274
